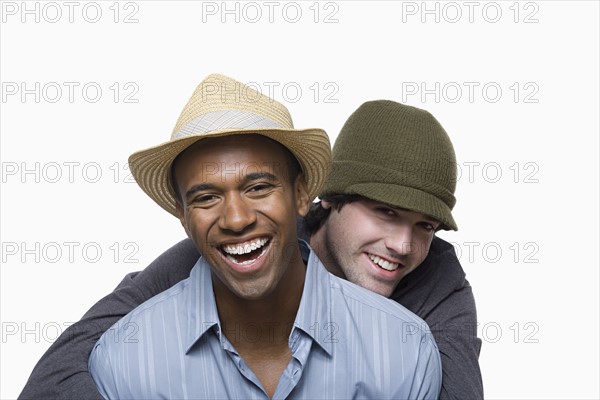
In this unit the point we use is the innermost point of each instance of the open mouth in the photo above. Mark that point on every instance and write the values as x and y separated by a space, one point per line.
382 263
247 252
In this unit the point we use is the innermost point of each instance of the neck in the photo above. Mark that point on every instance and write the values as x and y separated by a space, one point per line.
318 242
267 321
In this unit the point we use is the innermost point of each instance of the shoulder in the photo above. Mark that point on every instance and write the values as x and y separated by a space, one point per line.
441 267
439 277
163 304
442 252
370 308
381 333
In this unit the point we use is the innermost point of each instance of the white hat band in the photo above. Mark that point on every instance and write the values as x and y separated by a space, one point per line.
227 119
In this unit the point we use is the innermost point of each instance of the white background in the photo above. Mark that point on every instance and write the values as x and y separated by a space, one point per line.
528 208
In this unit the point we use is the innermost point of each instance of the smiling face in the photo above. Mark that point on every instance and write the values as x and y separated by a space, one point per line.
373 244
240 208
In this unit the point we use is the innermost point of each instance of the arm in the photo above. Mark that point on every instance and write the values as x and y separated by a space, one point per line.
428 371
102 373
438 292
62 372
455 332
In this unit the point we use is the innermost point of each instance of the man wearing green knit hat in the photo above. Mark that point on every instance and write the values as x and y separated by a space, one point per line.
391 188
395 169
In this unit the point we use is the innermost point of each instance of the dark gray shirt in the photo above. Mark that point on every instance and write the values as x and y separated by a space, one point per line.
436 291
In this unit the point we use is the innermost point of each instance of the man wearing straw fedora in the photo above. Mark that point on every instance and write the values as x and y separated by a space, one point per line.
259 315
392 186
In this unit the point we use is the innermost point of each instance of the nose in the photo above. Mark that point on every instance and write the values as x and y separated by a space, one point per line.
236 215
400 241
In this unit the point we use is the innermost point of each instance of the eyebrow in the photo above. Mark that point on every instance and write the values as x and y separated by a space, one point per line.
254 176
425 216
430 219
199 188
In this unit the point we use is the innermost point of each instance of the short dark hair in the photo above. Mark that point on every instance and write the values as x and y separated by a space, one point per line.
292 164
317 215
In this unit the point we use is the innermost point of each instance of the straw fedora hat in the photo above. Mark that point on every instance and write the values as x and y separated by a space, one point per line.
221 106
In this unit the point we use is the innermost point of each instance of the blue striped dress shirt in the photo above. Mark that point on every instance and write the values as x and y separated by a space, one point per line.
346 343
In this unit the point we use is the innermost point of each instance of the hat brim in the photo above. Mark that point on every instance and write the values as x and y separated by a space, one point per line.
408 198
151 167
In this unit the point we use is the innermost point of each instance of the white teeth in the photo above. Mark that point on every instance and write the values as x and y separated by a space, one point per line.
232 259
389 266
244 248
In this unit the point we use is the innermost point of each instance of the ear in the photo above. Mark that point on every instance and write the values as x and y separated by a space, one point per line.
326 204
301 191
181 214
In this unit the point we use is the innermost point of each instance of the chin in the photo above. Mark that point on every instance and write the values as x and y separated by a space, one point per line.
385 291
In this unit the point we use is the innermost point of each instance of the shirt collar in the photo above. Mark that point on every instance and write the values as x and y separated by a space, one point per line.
314 313
200 306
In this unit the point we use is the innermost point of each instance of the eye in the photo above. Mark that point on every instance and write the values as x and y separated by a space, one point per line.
259 188
428 227
204 199
387 211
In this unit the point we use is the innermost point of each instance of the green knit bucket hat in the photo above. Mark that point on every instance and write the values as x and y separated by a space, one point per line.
399 155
